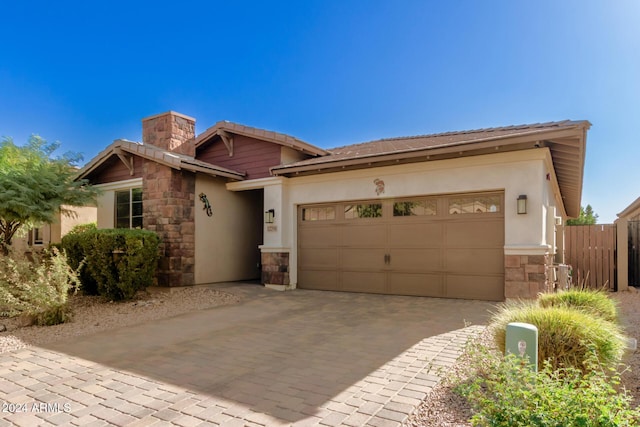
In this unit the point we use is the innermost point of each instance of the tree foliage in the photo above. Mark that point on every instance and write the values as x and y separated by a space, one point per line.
35 186
587 217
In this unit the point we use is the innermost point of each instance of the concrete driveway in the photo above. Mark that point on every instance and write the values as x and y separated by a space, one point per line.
278 358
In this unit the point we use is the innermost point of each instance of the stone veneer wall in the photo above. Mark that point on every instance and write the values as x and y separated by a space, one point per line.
275 268
170 131
168 197
526 276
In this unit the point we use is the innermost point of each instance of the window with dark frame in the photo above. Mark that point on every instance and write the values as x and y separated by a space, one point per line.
129 208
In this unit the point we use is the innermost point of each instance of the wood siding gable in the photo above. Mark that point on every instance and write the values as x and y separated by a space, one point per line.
113 170
251 156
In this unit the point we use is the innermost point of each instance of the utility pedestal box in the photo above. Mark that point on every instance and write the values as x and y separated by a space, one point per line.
522 340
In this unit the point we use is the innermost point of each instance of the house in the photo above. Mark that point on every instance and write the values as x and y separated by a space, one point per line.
628 247
468 214
41 237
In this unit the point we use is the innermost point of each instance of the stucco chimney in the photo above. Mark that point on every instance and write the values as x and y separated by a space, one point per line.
170 131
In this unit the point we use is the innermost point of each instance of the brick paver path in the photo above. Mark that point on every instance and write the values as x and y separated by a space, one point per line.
294 358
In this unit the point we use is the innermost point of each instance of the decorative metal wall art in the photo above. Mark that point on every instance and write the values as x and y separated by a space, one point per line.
379 186
207 205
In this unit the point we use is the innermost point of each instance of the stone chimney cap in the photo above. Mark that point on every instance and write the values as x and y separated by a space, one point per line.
170 112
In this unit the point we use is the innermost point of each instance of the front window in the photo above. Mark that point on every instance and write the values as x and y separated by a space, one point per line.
129 208
36 237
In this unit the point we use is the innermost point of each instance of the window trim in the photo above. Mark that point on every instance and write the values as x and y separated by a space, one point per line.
130 203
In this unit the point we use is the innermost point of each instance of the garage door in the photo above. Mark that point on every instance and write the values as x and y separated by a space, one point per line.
446 246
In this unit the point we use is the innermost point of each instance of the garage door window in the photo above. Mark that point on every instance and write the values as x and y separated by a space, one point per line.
415 208
319 214
365 210
474 205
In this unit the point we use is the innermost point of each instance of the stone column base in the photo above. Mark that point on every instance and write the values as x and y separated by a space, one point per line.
275 270
526 276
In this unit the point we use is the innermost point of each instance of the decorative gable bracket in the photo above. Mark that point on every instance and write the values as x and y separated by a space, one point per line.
126 158
227 138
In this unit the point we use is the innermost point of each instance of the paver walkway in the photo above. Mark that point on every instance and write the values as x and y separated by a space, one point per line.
278 358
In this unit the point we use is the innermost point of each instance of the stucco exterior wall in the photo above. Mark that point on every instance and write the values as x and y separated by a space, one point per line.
226 243
85 215
53 233
514 173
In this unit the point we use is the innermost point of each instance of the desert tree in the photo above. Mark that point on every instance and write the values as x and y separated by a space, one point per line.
35 186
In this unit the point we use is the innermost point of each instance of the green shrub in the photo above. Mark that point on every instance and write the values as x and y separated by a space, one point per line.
83 228
591 301
38 289
505 392
76 244
120 262
566 336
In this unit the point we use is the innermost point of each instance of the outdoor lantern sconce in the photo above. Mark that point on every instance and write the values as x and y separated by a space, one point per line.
522 204
269 216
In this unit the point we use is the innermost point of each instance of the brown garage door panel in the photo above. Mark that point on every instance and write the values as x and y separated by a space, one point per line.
318 236
416 260
488 288
322 258
489 233
357 235
415 235
325 280
362 258
426 285
357 281
475 261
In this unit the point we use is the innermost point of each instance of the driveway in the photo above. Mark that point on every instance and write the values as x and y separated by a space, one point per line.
278 358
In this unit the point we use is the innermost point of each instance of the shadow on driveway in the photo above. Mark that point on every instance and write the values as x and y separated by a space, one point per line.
283 354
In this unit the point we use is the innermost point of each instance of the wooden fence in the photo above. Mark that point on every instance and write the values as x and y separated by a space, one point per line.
591 251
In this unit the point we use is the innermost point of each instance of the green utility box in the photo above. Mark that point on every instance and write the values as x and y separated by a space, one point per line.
522 340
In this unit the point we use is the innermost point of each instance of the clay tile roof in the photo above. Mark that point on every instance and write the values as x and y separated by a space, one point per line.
426 142
168 158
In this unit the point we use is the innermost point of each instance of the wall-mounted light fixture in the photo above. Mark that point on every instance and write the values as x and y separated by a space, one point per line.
522 204
269 216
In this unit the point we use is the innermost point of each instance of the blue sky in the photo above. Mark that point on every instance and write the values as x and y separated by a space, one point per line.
330 72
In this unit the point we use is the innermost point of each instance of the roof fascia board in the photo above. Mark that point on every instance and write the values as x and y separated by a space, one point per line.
211 171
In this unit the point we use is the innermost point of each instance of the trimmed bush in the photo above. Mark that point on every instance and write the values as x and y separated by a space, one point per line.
38 289
120 262
75 245
566 337
593 302
505 392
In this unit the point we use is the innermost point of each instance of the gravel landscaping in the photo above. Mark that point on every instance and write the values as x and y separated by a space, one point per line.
441 408
93 314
